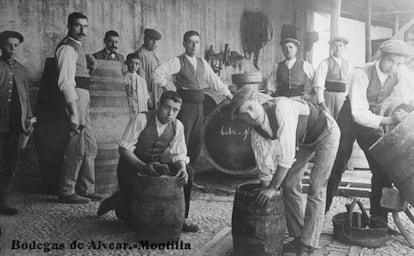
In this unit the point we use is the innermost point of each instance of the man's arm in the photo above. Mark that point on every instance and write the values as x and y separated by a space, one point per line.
214 82
271 84
166 70
66 60
310 75
178 154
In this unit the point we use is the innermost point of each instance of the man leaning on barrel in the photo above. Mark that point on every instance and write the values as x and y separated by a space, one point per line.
78 168
296 124
151 138
362 116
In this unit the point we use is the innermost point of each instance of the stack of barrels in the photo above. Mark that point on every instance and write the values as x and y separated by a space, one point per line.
109 114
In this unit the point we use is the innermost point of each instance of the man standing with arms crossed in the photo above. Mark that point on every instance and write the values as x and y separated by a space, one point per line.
79 158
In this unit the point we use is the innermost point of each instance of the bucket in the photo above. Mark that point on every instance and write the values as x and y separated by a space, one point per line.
253 80
395 153
158 209
257 231
109 114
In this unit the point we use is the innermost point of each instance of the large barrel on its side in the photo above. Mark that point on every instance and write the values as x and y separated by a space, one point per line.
257 231
109 115
157 209
395 153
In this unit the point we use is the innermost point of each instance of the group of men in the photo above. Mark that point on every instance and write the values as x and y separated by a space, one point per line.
309 115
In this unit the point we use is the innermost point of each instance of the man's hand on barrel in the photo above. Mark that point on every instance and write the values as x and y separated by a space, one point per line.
265 195
399 115
182 176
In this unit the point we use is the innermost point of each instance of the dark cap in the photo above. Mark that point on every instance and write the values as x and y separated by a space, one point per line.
10 34
290 40
242 95
338 38
152 34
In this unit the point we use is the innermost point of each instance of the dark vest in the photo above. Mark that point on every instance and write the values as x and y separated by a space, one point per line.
291 81
309 127
150 146
337 76
189 78
82 73
375 94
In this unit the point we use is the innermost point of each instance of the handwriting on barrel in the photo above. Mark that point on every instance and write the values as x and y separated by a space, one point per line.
228 131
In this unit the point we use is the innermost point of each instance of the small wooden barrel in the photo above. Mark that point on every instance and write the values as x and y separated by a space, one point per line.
257 231
109 115
158 209
395 153
253 80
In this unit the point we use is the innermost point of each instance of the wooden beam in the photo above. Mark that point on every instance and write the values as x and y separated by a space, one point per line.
368 48
335 14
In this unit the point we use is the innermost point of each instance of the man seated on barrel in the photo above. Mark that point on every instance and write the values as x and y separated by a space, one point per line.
301 128
153 142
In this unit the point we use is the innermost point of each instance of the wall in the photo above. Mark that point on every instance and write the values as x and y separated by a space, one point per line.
43 24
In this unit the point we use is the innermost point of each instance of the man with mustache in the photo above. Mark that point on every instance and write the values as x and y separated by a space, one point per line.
361 118
110 52
192 74
78 168
149 62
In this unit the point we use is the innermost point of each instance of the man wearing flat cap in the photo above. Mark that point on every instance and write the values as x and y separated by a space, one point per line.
331 77
361 117
150 62
15 113
291 77
285 133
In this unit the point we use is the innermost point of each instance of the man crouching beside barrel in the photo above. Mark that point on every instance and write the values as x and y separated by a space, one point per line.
295 124
153 144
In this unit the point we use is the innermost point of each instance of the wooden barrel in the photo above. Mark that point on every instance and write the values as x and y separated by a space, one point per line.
109 115
257 231
395 153
158 209
254 80
211 101
227 143
51 134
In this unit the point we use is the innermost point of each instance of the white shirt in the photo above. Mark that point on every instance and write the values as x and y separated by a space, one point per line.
137 93
66 59
177 151
173 66
307 68
358 84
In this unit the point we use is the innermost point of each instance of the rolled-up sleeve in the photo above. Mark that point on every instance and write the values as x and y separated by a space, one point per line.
177 150
272 80
358 83
320 78
213 81
66 60
265 152
134 128
165 71
287 117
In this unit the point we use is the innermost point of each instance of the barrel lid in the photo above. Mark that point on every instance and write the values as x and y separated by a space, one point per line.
227 143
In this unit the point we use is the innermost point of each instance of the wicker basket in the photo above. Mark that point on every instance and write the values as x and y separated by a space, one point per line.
359 229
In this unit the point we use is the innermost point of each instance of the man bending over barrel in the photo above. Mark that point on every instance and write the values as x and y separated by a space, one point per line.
296 124
150 139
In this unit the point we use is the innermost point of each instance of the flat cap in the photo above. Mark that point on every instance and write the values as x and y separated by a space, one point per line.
152 33
242 95
338 38
11 34
290 40
397 47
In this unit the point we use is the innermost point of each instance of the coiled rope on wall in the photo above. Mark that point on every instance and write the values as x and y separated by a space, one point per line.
256 30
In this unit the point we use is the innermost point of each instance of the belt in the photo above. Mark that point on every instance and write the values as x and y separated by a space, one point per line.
191 95
82 82
335 86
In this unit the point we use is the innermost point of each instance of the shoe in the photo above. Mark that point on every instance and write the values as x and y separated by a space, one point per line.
292 246
108 204
6 209
189 228
304 250
94 197
74 199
